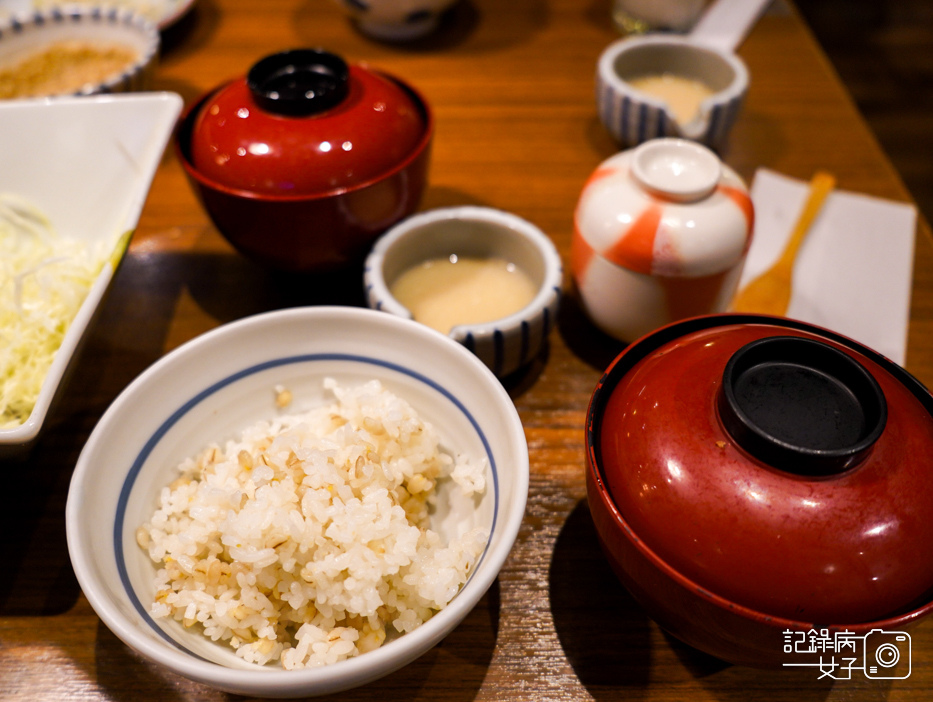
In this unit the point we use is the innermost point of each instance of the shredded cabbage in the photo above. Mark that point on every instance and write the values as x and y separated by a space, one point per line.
44 279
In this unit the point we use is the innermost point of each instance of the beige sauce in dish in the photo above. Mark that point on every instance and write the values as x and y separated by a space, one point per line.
682 95
445 292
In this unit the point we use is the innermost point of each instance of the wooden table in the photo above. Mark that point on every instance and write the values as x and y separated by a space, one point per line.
512 86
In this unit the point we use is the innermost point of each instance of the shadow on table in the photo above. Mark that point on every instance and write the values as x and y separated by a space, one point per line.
604 633
229 286
594 347
191 32
38 579
615 649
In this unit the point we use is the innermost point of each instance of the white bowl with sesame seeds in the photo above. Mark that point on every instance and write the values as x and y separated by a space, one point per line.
77 50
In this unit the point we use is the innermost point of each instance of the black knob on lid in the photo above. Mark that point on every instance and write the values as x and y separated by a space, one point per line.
299 82
801 405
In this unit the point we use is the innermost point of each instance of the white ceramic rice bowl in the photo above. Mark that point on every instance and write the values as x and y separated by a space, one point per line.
219 383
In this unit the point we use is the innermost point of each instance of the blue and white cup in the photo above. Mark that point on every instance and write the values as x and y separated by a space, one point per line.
633 115
506 344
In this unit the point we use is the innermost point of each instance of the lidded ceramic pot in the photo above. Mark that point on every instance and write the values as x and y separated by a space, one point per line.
751 476
304 122
661 232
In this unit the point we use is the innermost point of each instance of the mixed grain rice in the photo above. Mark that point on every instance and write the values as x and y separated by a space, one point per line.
306 540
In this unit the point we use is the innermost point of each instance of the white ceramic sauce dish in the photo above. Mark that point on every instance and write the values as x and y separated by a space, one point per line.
633 115
210 389
506 344
87 164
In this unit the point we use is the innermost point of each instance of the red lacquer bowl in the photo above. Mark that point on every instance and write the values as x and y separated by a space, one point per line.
753 476
303 163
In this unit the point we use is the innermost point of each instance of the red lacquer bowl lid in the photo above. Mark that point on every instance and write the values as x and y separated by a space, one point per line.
304 122
775 464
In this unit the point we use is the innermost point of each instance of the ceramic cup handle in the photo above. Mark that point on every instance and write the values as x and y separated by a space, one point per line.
726 23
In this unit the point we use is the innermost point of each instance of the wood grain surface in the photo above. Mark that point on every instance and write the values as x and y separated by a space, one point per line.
512 87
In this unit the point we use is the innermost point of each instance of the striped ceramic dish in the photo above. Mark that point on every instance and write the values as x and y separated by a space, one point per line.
28 34
633 116
506 344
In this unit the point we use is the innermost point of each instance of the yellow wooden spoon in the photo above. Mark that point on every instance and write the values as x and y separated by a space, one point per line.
770 292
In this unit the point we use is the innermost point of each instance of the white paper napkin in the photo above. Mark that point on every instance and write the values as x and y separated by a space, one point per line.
854 270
